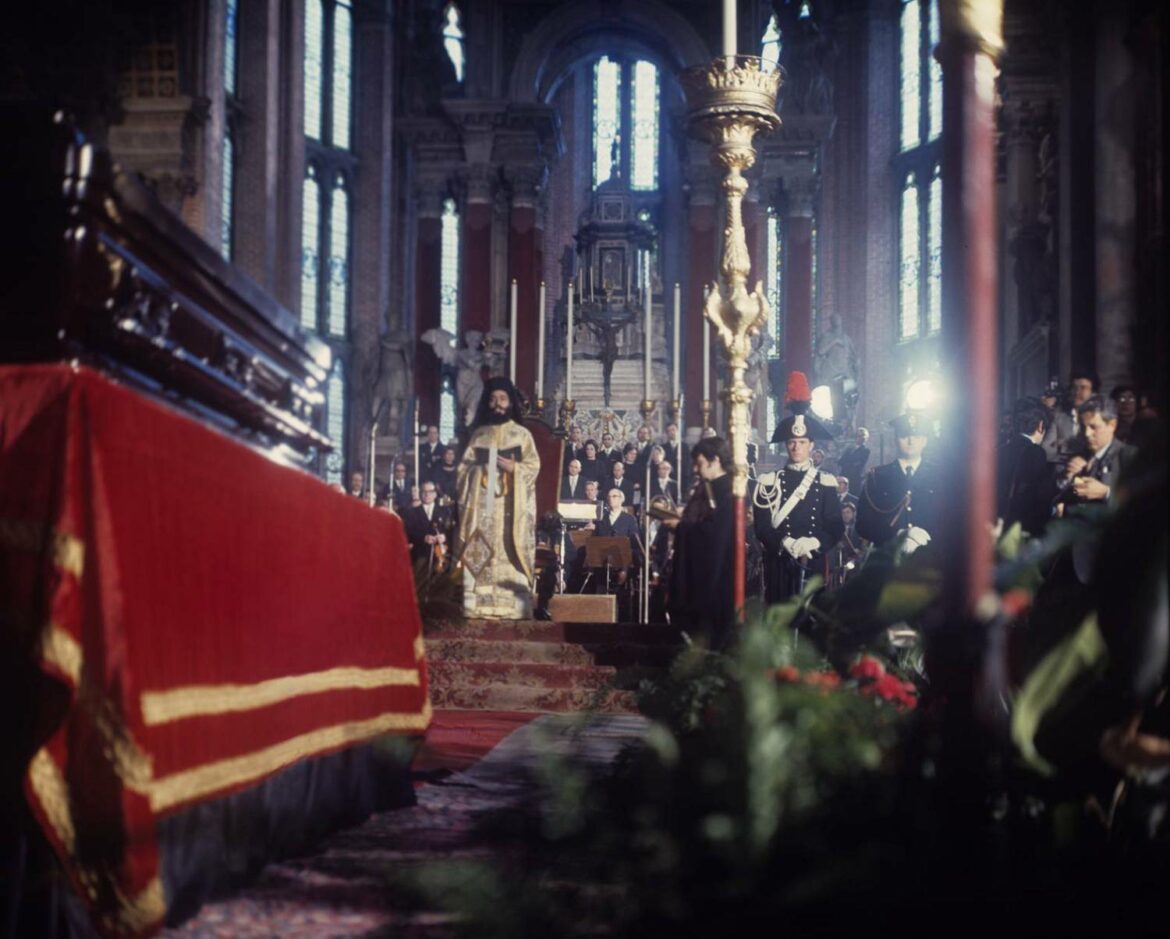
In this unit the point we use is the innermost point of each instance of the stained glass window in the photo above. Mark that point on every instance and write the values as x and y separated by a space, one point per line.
934 126
310 247
770 46
607 83
342 74
314 66
335 422
447 411
917 170
934 255
229 47
453 38
449 269
911 71
775 282
645 125
910 270
227 197
338 257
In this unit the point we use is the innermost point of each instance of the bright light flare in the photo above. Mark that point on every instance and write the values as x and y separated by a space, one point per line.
921 395
822 402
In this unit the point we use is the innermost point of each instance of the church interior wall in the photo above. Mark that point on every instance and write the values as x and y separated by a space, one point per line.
1103 150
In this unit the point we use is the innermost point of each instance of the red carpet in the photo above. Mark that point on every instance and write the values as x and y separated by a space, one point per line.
456 739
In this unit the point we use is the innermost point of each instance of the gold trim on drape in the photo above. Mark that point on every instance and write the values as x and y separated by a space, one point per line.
191 784
162 707
68 551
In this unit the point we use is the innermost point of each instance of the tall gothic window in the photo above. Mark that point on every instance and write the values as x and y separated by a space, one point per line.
231 107
453 38
770 46
327 210
625 121
917 173
774 288
449 307
335 423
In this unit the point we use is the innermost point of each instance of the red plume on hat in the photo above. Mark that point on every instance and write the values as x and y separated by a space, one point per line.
797 396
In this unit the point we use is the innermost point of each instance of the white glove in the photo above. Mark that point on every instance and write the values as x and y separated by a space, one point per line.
804 547
789 543
915 538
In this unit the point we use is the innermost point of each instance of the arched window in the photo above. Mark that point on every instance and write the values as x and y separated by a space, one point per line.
227 195
231 108
329 72
335 422
774 287
449 307
918 172
770 46
626 121
310 247
453 38
339 257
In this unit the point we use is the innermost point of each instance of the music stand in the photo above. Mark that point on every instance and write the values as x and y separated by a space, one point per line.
608 553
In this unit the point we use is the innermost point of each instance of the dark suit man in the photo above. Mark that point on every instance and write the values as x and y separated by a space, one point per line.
678 453
619 480
426 525
573 483
1093 477
662 484
904 495
854 460
574 446
795 537
608 453
430 452
400 489
1025 486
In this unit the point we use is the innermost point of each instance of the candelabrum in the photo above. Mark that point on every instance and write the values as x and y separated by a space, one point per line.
568 409
675 410
728 102
705 410
647 409
536 408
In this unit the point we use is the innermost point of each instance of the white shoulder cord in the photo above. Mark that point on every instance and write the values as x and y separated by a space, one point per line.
768 489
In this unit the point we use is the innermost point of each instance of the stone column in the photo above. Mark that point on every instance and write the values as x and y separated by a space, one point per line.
476 285
800 192
701 270
524 267
1115 213
290 156
258 141
427 270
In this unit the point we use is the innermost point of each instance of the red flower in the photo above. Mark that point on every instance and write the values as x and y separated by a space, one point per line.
891 688
867 667
1015 602
826 679
786 673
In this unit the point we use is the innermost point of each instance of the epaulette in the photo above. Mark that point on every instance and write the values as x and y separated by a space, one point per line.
828 479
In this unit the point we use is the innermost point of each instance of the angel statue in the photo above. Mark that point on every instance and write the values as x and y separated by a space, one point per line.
466 362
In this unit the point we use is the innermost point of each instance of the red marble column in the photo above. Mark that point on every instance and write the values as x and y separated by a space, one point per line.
427 271
797 338
701 270
523 267
476 286
970 321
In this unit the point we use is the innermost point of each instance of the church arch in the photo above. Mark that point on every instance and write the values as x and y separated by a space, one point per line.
581 30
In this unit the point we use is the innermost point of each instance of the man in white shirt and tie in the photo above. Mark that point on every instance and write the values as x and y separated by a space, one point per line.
573 486
904 495
426 524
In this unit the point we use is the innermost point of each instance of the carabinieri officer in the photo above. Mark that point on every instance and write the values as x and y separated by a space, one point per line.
796 511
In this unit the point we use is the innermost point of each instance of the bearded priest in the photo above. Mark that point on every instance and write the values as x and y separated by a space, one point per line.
496 488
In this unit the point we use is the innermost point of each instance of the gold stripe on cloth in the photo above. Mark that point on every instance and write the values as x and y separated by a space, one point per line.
162 707
48 785
201 781
63 652
68 551
420 648
138 914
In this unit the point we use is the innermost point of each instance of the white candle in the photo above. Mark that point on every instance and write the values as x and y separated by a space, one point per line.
569 350
706 352
647 342
540 345
729 31
677 306
512 338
